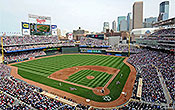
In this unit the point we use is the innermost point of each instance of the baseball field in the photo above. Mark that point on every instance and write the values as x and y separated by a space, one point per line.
43 28
79 74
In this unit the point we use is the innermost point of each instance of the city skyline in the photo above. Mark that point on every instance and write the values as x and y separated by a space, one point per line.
69 15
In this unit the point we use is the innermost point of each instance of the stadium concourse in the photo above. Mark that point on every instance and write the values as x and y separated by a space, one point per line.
155 68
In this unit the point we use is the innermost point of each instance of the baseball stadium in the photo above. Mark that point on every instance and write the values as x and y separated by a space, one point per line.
54 74
41 70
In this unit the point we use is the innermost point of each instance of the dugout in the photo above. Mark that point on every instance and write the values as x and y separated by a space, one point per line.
52 51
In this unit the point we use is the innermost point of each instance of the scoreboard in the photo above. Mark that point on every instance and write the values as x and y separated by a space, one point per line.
96 36
40 29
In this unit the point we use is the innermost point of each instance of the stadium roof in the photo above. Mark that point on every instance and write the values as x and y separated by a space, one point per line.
141 31
166 22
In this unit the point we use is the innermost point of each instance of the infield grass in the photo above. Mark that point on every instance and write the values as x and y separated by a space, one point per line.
101 78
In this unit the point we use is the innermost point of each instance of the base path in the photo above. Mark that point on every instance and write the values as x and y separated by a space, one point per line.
98 91
121 100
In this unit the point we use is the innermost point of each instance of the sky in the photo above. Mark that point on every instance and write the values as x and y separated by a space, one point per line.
70 14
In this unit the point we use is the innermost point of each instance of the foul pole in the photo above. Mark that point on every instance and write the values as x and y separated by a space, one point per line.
2 49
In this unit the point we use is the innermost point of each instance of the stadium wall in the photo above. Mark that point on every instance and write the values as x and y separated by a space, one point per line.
67 50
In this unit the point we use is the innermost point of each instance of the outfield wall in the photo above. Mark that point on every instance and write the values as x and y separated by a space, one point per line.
69 50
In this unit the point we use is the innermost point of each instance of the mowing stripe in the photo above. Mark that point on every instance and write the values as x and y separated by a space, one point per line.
98 80
33 72
95 79
33 69
102 82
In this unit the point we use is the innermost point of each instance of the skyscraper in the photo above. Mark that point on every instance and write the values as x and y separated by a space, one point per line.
58 33
120 18
114 26
129 21
123 25
149 21
137 15
164 11
105 26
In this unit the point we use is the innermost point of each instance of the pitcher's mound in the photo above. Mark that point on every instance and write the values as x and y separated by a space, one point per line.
100 91
90 77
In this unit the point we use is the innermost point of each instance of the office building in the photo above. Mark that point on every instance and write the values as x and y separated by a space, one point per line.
78 33
120 18
58 33
149 21
105 27
164 11
137 15
129 21
123 25
114 26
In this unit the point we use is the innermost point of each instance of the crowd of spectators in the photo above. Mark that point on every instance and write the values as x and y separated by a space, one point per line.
137 105
152 90
20 91
25 47
92 42
144 62
135 87
23 55
166 64
164 32
22 40
67 43
134 105
124 48
160 38
8 103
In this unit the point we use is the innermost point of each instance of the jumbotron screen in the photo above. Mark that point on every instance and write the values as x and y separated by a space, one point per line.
40 29
43 28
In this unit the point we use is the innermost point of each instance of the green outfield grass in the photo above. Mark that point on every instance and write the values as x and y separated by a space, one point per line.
101 78
38 71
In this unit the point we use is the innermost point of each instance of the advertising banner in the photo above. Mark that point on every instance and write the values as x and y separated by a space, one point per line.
54 29
39 17
54 32
26 49
25 28
25 25
139 89
19 60
26 32
70 36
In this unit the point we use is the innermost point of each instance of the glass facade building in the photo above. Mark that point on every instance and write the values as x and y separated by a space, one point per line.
164 10
120 18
